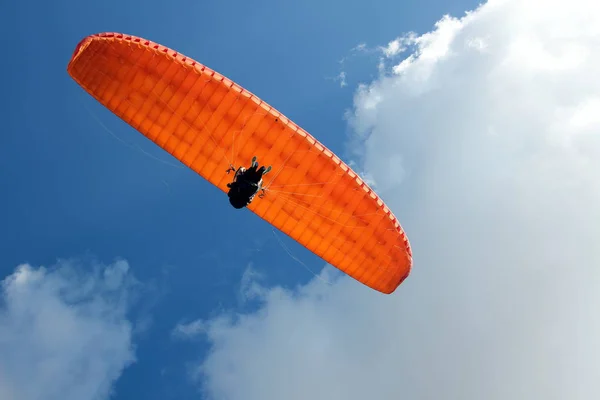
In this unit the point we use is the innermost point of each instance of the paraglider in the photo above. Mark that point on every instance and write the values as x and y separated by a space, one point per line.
208 122
246 184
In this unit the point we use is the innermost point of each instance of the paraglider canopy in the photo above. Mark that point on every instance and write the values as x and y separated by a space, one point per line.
209 122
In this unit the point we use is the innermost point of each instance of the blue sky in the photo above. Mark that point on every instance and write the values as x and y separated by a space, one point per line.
73 191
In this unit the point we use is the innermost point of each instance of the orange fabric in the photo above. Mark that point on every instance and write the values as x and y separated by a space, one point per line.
208 122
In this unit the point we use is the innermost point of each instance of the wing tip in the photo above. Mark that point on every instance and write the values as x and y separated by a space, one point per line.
85 42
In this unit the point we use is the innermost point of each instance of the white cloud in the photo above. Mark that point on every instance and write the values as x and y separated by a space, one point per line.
64 333
342 79
399 45
189 330
486 144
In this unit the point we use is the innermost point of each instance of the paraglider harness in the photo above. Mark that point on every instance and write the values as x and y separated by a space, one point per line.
246 184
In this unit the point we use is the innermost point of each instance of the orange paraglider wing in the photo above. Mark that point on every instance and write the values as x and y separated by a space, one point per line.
210 123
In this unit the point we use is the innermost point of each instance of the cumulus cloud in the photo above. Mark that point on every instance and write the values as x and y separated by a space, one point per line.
188 330
64 332
485 141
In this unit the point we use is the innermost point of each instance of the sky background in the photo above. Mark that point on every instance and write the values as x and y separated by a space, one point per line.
125 275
